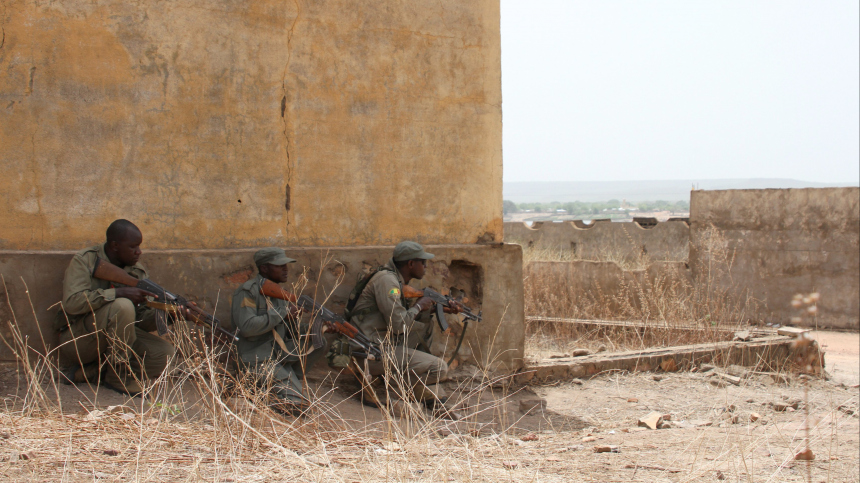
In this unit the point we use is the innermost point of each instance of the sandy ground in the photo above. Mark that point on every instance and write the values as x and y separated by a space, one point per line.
842 354
538 433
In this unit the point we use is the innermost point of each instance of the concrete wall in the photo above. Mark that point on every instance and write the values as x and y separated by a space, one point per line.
605 240
231 124
491 276
785 242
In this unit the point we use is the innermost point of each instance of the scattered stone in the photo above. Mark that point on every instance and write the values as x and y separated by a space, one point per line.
559 356
534 404
730 408
588 439
665 425
754 417
581 352
632 400
111 452
742 335
717 382
728 378
735 418
783 406
510 465
5 435
750 400
763 421
553 458
530 437
667 417
651 420
657 377
720 475
576 447
578 382
805 455
707 367
737 371
669 365
606 449
601 348
636 430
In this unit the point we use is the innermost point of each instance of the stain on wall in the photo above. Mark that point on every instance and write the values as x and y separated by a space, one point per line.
784 242
230 124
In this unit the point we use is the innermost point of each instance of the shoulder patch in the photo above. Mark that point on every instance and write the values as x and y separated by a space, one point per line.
249 302
395 292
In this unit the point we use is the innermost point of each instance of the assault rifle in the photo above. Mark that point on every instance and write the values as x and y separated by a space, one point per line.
164 301
324 318
442 302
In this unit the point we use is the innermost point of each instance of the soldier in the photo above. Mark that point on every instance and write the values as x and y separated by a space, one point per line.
98 319
269 334
383 314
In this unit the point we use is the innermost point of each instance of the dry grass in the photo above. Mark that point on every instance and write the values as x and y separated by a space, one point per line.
662 298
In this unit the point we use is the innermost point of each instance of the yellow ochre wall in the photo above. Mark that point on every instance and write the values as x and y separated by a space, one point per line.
221 124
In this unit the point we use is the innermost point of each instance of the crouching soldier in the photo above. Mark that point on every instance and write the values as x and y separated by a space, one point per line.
269 347
384 314
99 321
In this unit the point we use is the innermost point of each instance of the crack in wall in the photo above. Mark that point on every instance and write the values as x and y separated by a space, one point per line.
285 120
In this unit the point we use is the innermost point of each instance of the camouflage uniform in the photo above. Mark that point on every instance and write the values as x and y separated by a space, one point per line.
384 315
92 318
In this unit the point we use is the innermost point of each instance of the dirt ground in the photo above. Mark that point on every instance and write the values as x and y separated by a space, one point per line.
537 433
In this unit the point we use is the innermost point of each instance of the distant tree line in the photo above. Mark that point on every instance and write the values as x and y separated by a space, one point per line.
597 208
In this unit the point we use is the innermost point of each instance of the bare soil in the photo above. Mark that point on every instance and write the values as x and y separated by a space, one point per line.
508 435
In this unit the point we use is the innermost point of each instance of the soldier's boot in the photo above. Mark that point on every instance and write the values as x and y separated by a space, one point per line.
373 393
433 398
287 402
77 374
122 381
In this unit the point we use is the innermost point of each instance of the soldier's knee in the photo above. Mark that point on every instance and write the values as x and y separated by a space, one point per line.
122 310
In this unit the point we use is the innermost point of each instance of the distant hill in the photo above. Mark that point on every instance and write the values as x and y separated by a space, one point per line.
652 190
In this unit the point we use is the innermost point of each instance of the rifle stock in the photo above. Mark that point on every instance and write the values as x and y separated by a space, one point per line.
323 317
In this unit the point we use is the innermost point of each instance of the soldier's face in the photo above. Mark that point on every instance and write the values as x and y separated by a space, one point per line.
418 267
127 250
275 273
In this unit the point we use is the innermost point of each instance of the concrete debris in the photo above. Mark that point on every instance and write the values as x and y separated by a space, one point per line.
606 449
730 379
652 420
754 417
792 331
669 365
743 335
805 455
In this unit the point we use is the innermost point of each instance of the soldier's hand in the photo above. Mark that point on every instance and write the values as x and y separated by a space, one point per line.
453 307
424 303
136 295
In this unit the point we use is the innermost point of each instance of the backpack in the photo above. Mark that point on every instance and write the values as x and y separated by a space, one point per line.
359 287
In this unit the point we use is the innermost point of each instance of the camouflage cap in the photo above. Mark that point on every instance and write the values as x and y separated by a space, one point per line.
272 256
409 250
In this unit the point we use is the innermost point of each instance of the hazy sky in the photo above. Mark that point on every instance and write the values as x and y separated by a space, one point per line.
625 90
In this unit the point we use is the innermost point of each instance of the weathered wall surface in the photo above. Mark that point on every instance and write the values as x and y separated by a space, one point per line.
606 240
786 242
229 124
490 275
